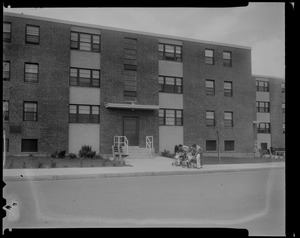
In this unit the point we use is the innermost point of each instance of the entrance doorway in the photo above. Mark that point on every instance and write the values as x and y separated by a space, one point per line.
131 130
264 146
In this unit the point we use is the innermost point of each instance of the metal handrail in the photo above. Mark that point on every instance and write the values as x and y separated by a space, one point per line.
149 143
121 141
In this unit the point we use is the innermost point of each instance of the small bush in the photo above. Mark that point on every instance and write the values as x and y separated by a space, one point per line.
54 154
53 164
167 154
86 152
72 156
61 154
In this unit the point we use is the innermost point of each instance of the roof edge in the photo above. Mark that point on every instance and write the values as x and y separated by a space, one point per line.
21 15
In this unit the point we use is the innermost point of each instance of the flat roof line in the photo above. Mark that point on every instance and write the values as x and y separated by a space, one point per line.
21 15
267 76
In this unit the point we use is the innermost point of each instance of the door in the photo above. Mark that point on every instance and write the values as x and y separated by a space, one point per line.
264 146
131 130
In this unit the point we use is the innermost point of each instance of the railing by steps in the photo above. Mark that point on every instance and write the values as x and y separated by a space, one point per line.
149 143
121 142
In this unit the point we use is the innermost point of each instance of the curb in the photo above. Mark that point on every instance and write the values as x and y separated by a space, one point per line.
129 174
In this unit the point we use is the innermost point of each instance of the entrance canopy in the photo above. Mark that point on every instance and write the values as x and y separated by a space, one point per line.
132 106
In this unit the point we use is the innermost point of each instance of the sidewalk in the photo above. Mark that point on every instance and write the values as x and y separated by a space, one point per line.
137 167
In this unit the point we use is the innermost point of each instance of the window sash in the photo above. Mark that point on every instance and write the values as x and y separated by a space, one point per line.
6 110
6 70
169 52
84 77
32 34
264 127
229 145
210 118
209 56
6 31
29 145
85 41
170 84
84 113
211 145
170 117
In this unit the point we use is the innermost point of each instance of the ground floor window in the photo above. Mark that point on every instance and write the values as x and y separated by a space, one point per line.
229 145
211 145
29 145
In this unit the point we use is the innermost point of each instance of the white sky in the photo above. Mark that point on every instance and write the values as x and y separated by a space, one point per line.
259 25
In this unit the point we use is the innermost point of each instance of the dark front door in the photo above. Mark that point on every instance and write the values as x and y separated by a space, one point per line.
131 130
264 146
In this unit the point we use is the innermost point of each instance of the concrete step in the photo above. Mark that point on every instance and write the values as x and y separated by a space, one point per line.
135 152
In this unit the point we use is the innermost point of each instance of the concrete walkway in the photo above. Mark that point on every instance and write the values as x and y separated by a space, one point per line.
136 167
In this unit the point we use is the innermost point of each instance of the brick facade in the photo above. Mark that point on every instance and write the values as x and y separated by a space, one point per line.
196 102
51 92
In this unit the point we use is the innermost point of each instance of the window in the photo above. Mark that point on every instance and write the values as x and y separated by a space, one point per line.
32 34
283 128
209 56
84 113
30 111
5 110
228 117
169 52
210 118
29 145
264 127
170 84
210 87
31 72
6 31
262 86
227 89
84 77
129 86
170 117
283 107
283 87
211 145
263 106
6 70
85 41
227 59
229 145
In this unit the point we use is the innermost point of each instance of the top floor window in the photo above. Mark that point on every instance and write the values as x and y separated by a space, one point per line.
7 31
85 41
169 52
262 86
209 56
32 34
283 87
227 61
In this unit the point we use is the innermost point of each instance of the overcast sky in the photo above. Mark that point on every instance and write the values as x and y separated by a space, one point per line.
259 26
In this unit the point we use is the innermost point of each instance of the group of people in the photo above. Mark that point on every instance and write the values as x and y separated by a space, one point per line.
193 153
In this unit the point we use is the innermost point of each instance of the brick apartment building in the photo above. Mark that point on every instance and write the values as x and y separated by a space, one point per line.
68 84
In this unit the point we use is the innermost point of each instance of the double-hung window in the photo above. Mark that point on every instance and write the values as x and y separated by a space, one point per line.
211 145
228 89
210 118
31 72
6 110
32 34
262 106
170 52
85 41
30 111
169 84
228 117
209 56
84 77
29 145
264 127
262 86
6 31
229 145
6 70
283 107
283 87
170 117
227 60
210 87
84 113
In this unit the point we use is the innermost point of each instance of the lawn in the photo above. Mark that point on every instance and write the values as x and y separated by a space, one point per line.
14 162
231 160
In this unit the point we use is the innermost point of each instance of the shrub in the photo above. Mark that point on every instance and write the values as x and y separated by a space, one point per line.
86 152
58 154
72 156
61 154
167 154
